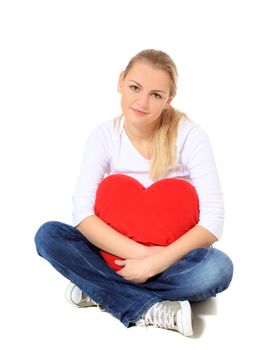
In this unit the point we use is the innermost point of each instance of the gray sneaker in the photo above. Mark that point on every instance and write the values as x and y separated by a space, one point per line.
76 297
174 315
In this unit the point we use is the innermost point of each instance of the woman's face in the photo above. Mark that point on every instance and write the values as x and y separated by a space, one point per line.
145 92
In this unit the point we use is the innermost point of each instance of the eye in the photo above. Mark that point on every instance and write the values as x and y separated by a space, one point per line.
134 88
157 96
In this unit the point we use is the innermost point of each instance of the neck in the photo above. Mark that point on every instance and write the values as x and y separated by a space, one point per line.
141 135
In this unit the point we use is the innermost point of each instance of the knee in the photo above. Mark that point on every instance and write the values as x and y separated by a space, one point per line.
45 235
220 269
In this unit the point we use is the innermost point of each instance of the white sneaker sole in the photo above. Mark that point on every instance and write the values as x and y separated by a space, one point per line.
69 292
184 318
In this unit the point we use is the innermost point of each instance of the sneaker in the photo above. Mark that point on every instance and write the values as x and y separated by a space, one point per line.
76 297
174 315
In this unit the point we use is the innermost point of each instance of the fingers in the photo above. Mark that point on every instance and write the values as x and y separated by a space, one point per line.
120 262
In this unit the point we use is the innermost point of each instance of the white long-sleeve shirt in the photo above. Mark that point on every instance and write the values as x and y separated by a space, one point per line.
110 151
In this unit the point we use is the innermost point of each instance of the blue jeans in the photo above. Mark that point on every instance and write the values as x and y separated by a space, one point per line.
201 274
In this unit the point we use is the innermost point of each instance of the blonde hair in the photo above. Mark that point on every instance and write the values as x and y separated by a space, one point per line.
165 130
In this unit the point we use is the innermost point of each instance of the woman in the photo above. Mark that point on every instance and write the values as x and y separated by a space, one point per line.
148 280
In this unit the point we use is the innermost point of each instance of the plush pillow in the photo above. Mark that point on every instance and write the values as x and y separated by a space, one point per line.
156 215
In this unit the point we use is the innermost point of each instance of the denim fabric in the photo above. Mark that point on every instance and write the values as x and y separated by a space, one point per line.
201 274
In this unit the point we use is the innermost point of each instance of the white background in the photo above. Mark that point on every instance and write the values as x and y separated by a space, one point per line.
59 65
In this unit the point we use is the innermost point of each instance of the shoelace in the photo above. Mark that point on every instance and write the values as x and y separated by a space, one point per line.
160 315
87 299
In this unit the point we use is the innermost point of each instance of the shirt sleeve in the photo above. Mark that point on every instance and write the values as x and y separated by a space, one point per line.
198 159
93 168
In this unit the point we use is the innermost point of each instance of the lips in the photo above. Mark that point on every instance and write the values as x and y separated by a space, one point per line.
138 112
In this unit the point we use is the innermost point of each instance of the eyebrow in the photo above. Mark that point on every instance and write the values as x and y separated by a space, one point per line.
164 92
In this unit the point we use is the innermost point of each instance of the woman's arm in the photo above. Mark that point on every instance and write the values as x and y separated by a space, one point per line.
106 238
139 270
196 237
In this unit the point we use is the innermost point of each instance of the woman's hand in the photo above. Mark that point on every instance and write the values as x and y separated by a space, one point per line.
139 270
136 270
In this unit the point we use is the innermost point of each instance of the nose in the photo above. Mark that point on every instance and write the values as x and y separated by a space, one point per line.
143 101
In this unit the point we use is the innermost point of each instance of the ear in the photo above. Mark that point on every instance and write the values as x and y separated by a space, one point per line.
120 80
168 102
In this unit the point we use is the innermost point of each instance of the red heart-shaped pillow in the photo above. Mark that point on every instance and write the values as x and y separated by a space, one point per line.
156 215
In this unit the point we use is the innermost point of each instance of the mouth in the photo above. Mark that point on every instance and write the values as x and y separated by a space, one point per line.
138 112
